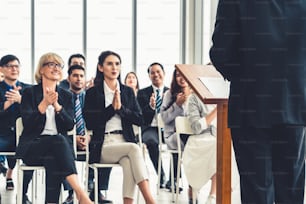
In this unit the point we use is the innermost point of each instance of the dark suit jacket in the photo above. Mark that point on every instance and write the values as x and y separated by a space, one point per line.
96 115
8 117
34 122
143 97
260 48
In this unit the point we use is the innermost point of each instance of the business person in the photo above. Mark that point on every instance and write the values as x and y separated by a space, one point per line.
150 107
76 59
260 47
110 110
11 90
47 115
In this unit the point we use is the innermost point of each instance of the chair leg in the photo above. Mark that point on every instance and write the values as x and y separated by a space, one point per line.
172 176
86 176
96 185
159 171
178 174
20 186
194 195
34 185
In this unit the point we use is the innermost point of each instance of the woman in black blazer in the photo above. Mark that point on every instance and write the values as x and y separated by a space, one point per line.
110 110
47 115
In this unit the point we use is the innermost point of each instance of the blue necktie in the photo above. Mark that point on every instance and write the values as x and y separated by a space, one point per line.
80 126
158 101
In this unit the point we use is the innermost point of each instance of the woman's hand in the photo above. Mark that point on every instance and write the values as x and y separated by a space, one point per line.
50 96
117 100
180 99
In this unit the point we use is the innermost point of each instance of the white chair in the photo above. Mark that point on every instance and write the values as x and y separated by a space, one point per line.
7 153
182 126
163 149
85 164
96 166
21 167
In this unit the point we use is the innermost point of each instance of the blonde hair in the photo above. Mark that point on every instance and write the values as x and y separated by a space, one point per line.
48 57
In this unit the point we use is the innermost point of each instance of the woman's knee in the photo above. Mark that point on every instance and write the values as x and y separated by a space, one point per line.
135 149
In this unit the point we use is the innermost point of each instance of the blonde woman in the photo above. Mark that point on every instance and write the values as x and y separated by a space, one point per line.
47 115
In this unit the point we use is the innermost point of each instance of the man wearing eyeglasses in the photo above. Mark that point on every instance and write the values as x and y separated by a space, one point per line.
10 98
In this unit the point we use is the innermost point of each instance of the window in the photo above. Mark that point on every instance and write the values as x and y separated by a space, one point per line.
109 27
15 35
58 28
158 26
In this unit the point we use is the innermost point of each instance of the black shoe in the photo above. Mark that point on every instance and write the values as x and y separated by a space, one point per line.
69 200
191 201
90 185
162 181
25 200
3 169
168 186
101 198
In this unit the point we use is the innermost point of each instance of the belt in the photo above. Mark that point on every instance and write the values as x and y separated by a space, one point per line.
114 132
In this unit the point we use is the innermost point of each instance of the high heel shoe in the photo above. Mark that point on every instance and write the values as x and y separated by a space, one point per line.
9 184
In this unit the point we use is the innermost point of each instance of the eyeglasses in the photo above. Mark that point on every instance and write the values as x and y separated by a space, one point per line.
53 65
11 66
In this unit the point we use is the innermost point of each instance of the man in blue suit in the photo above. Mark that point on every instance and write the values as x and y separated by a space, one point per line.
260 47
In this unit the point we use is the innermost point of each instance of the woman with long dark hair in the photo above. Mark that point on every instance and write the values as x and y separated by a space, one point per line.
110 111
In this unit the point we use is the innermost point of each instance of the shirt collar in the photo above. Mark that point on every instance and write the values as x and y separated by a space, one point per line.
160 88
108 90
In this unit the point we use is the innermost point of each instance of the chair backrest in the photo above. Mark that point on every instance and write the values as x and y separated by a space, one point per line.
72 133
137 131
19 129
160 126
182 126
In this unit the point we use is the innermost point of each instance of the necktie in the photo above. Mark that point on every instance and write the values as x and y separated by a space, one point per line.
80 126
158 101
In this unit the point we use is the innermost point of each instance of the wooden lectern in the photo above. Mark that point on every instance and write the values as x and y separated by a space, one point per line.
192 73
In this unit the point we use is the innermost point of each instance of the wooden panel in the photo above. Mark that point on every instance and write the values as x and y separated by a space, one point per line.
192 73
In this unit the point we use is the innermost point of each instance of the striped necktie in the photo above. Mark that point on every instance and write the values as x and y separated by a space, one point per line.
158 101
79 121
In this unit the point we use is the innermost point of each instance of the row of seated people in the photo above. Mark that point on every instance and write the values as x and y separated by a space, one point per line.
47 113
149 98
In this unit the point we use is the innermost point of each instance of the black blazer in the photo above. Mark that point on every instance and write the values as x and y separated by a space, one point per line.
143 97
8 118
260 48
34 122
96 115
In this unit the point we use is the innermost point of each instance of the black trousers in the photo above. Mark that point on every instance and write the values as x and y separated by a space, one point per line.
271 164
56 155
150 138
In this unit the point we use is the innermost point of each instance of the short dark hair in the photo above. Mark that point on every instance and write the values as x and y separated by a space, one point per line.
73 67
8 58
155 63
75 56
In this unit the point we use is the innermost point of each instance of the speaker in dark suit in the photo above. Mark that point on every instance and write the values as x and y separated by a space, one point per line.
260 47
